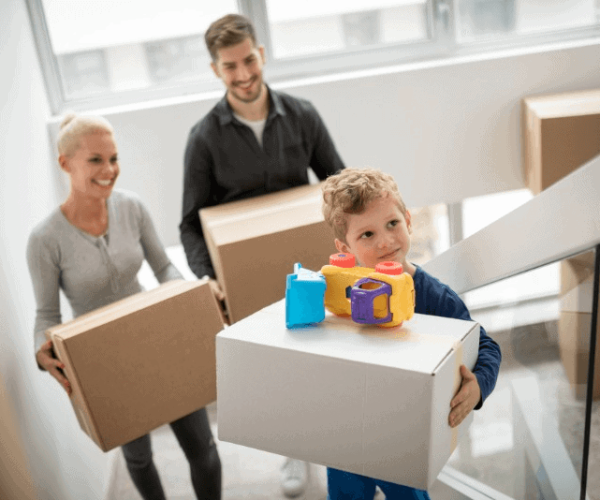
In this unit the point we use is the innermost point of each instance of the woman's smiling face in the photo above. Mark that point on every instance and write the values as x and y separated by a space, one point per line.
94 167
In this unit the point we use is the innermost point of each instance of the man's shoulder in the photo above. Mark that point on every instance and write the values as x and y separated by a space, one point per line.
208 124
293 104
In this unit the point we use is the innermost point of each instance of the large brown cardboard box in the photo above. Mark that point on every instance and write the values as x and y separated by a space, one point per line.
254 243
575 321
561 133
141 362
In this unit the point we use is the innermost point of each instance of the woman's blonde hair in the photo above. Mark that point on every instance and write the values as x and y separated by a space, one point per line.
74 127
351 190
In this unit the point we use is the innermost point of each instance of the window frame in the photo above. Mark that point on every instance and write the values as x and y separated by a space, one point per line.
442 44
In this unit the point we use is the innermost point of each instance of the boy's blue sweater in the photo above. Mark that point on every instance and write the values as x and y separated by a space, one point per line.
433 297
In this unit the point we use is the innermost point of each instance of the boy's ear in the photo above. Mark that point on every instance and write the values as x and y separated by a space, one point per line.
408 221
341 246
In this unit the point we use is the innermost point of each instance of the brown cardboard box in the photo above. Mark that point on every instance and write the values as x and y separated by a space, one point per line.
561 133
574 324
141 362
254 243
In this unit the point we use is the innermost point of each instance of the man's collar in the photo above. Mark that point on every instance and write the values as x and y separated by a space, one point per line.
225 113
275 105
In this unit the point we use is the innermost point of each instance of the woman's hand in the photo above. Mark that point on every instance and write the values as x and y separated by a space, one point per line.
46 359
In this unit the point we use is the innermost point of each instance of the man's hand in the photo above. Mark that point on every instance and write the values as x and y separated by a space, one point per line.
216 289
220 296
467 398
46 359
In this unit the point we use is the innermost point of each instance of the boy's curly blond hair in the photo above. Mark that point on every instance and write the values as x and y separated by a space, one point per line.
351 190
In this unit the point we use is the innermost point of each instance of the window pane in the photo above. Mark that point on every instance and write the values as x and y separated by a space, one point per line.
320 26
485 19
527 440
107 46
430 236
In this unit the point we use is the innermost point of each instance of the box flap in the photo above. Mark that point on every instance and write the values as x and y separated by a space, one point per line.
418 345
122 308
253 222
259 202
565 104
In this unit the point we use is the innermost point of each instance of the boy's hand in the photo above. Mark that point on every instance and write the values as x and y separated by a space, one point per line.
467 398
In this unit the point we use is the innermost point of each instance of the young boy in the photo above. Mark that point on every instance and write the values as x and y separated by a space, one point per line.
370 220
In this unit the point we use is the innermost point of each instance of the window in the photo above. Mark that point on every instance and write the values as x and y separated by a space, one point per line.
315 26
493 19
100 49
106 52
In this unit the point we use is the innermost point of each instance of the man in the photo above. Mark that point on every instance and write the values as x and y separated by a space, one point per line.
254 141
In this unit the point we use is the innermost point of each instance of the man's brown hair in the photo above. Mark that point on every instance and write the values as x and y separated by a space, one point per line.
228 31
351 190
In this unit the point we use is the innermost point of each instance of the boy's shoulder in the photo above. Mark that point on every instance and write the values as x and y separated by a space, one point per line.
436 298
423 279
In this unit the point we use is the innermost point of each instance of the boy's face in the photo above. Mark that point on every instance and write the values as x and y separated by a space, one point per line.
381 233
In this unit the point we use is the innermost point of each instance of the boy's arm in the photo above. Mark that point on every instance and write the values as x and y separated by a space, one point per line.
478 384
487 366
440 300
433 297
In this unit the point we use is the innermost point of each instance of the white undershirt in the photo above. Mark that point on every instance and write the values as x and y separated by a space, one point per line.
256 126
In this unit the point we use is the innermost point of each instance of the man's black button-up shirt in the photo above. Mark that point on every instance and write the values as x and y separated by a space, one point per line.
224 162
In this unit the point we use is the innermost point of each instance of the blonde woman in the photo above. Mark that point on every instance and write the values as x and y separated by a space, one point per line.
92 247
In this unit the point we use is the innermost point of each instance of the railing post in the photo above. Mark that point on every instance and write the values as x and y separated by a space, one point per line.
590 378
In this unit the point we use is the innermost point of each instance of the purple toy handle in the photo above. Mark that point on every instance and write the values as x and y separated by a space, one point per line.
361 301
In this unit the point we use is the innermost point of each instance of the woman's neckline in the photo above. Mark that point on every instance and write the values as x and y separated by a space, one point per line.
82 230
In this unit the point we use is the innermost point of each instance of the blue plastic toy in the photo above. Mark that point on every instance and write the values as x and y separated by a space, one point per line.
304 297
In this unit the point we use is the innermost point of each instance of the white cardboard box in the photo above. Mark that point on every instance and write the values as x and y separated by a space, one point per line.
369 400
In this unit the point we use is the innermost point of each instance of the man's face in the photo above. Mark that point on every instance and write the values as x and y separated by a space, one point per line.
240 68
381 233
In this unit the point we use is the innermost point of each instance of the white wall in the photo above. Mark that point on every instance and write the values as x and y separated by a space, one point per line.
63 461
446 131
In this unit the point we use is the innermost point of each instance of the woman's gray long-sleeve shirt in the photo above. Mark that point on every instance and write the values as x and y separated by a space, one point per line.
93 271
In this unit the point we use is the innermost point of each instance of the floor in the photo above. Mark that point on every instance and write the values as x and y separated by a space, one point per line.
247 473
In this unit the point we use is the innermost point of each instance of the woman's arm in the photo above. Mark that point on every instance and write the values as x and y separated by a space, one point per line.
45 275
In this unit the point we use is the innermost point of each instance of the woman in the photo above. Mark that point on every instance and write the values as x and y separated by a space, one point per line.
92 247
